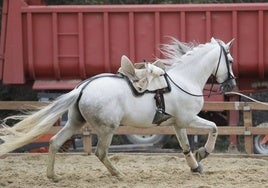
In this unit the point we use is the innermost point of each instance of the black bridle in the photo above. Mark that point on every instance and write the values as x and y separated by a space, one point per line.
227 62
229 77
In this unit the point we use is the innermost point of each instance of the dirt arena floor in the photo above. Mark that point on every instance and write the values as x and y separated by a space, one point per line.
140 170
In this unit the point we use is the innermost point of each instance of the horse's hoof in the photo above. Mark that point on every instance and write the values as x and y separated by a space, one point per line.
120 177
54 178
200 154
3 156
198 170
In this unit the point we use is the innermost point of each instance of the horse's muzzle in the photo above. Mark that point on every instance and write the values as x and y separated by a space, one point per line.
228 85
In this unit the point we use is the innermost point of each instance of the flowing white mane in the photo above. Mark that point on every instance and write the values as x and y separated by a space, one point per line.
175 50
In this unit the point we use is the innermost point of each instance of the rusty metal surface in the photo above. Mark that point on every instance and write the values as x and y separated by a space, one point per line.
51 45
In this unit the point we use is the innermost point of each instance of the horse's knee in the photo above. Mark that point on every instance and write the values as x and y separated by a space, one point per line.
215 129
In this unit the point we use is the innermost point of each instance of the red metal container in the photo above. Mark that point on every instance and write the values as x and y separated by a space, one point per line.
57 46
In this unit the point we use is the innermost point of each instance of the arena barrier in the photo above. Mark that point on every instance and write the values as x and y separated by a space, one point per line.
247 129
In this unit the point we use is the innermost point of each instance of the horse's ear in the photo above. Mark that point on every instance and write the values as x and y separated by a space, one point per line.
213 40
229 44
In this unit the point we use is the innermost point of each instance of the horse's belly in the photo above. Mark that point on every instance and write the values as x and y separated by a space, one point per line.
137 121
138 124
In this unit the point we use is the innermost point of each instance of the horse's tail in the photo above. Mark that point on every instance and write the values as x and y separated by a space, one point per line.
32 126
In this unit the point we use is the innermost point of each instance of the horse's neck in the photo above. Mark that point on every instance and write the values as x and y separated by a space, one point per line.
196 69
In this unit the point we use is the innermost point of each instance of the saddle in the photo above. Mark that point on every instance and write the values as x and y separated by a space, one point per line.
144 76
147 77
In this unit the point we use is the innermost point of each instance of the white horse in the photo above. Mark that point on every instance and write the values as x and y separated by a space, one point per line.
106 101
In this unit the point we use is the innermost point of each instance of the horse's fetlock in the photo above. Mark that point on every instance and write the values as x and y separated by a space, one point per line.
198 169
101 156
54 178
201 153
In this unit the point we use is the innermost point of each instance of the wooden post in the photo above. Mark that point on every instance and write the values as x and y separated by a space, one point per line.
247 114
233 119
87 140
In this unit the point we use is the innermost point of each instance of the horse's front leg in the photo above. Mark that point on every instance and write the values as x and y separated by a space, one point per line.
184 142
203 152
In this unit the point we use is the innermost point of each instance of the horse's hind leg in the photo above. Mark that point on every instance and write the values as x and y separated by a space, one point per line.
74 123
105 135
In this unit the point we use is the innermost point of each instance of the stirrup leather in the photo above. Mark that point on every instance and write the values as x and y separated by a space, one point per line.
160 114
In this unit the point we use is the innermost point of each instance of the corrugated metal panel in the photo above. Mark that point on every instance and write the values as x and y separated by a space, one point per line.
75 42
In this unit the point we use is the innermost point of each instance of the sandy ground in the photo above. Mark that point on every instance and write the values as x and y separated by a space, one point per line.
141 170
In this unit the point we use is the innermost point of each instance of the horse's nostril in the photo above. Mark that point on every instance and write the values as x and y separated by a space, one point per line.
227 87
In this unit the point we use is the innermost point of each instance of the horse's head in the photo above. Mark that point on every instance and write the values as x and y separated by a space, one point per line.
223 71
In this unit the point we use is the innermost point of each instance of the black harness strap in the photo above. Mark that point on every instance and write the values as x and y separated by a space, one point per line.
96 77
85 83
159 98
119 75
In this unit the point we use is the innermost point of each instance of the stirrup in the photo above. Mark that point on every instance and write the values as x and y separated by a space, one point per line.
160 116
